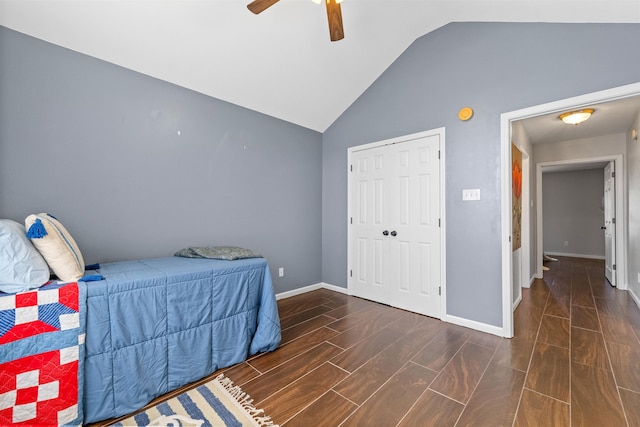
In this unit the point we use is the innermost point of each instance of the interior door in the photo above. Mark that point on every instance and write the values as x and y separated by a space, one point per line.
610 223
369 203
396 239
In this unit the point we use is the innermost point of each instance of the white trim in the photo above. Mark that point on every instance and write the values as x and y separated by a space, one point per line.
575 255
472 324
505 152
505 217
305 289
517 302
443 216
532 279
335 288
634 296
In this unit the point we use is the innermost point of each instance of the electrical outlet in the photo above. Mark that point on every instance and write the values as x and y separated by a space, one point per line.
281 272
638 277
566 243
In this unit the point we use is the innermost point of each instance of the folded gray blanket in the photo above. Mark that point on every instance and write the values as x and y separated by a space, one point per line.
217 252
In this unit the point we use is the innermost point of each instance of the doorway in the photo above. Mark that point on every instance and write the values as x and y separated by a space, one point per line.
506 129
614 210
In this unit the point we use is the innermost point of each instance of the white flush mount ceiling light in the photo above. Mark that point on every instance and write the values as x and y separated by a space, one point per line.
576 117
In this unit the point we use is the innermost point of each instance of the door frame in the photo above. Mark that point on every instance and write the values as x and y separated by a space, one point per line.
443 226
619 208
505 174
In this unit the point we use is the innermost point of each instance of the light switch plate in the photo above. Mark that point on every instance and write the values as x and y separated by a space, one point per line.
471 194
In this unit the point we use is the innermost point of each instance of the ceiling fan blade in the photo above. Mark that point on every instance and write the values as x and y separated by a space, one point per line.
257 6
334 13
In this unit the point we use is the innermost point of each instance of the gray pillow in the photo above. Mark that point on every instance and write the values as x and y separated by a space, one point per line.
217 252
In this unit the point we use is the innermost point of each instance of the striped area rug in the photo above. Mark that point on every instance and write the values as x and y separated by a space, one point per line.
217 403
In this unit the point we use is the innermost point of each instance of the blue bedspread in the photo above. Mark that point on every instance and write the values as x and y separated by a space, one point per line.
155 325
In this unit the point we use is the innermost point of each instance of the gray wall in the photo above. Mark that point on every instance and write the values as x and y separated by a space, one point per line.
633 186
98 146
494 68
572 211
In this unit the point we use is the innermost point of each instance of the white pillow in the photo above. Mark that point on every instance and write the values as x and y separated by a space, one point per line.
21 265
56 246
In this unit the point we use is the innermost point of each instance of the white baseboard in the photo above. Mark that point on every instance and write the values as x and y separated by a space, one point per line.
634 296
472 324
305 289
574 255
517 302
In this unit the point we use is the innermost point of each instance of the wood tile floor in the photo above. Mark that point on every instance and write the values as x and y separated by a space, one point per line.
344 361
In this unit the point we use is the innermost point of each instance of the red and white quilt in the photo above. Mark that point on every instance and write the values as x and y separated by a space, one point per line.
42 356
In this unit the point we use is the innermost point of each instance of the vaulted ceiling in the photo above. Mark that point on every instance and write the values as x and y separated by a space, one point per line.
280 62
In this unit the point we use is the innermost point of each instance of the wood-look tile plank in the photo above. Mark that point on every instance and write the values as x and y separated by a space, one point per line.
626 365
305 327
619 331
459 378
549 371
516 352
360 316
560 290
559 307
582 296
332 299
609 307
241 373
328 411
486 340
621 306
290 321
352 306
299 303
288 351
389 404
537 410
433 410
357 355
554 330
585 318
287 402
364 330
362 383
527 318
587 348
600 285
535 298
539 285
495 400
594 398
260 388
443 347
631 405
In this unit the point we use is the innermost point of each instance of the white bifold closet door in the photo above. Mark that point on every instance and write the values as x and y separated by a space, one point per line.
395 236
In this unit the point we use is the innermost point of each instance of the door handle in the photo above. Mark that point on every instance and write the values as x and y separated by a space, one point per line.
385 233
393 233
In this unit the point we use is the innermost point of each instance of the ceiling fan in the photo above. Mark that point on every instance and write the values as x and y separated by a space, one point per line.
334 14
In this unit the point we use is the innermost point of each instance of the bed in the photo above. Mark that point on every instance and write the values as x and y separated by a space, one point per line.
155 325
149 327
